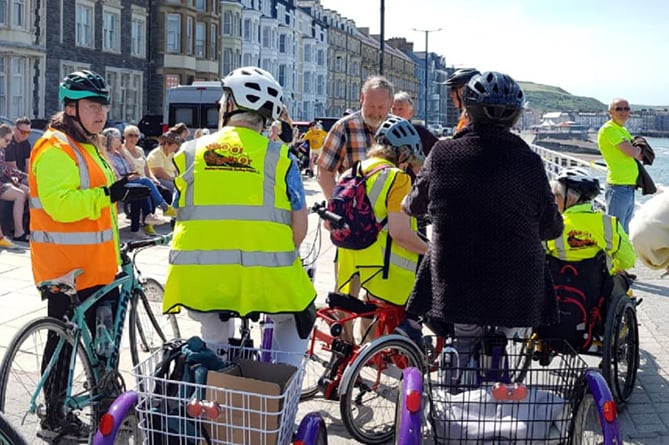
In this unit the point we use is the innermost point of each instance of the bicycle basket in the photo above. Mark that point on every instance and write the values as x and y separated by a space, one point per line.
257 405
514 401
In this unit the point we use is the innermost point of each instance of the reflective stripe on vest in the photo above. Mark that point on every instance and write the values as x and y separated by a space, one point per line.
376 189
192 212
228 257
84 176
72 239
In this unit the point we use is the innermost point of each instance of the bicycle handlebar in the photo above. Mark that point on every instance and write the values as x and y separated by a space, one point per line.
158 240
335 220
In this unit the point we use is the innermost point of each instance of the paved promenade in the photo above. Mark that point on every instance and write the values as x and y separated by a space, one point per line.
644 421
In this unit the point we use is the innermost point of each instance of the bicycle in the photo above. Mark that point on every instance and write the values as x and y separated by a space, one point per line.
217 413
484 400
92 379
8 434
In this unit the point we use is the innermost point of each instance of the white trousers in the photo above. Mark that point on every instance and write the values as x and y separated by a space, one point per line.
284 339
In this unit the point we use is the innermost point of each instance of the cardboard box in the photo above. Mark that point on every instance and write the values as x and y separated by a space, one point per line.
252 396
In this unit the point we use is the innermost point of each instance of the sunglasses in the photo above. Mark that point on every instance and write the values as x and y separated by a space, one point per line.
622 108
132 135
24 132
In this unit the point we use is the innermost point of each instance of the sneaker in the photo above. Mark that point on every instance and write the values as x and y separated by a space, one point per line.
150 230
6 244
153 219
139 235
170 211
408 330
71 429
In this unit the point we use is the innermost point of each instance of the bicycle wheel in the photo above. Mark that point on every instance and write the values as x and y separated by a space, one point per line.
146 332
319 357
129 432
368 391
620 358
587 427
21 372
8 434
154 292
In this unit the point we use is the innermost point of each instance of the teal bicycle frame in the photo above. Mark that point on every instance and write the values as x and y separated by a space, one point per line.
102 369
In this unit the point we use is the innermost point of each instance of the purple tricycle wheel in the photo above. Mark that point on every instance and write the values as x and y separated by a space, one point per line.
121 414
408 418
312 430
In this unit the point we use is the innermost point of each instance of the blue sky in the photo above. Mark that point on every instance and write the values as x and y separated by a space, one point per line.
595 48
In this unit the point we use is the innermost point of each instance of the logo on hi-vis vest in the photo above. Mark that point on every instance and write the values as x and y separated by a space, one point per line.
579 240
222 156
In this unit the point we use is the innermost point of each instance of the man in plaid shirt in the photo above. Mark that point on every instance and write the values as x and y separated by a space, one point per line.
350 137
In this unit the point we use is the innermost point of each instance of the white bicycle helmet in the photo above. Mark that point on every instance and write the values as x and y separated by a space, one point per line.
254 89
581 181
398 132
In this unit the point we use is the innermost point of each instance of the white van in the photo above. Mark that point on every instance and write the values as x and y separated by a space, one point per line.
195 105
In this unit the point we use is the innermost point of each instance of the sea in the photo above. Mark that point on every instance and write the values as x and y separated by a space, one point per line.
659 171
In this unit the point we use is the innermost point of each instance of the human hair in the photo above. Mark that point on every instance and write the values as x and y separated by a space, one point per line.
24 120
110 134
179 128
558 188
5 130
616 101
130 129
403 97
378 83
390 153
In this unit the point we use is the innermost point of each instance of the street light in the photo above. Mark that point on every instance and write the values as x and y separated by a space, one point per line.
427 32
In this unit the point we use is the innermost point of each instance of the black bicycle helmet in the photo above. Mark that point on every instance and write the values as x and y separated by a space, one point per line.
460 77
84 84
581 181
493 98
397 132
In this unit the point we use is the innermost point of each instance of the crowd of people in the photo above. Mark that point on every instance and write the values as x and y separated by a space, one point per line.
491 205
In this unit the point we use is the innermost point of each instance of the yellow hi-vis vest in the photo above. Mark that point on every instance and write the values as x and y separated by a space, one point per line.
387 271
586 232
233 246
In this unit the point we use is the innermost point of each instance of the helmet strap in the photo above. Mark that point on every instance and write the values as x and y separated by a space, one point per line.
78 119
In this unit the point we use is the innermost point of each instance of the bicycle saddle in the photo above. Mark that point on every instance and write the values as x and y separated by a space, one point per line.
65 284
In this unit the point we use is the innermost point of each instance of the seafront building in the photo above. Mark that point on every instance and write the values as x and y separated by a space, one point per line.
144 47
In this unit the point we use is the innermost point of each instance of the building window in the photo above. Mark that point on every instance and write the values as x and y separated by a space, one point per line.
3 86
266 42
189 35
247 30
282 43
111 31
237 25
126 88
19 13
200 37
17 83
171 81
321 57
173 33
200 5
282 75
307 53
320 85
227 60
138 37
227 23
307 83
213 42
247 60
3 12
84 24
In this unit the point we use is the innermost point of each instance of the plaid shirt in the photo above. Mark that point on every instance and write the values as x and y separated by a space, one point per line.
347 142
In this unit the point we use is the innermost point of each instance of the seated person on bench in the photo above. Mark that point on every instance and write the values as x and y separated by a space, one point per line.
586 231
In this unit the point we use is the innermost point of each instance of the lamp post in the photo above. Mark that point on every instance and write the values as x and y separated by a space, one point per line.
427 32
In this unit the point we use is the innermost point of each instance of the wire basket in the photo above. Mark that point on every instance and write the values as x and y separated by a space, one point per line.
479 396
250 411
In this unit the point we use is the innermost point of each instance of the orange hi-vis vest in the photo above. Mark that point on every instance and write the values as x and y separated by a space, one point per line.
88 244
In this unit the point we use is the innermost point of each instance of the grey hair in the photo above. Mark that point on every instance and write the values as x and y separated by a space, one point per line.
378 83
250 118
110 133
558 188
403 97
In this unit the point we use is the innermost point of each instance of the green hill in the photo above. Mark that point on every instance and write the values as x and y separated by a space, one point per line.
549 98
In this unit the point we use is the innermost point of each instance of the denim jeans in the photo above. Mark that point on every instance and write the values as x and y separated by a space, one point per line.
620 203
156 197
